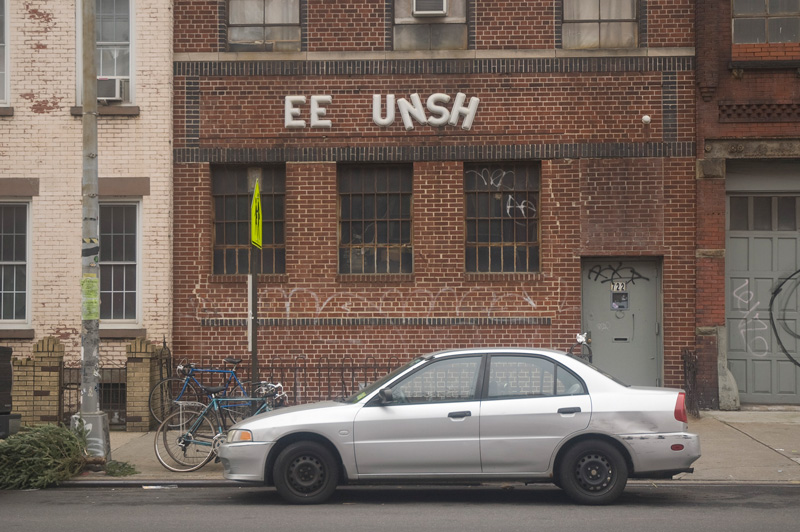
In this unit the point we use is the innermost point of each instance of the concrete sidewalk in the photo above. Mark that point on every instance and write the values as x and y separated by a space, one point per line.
744 446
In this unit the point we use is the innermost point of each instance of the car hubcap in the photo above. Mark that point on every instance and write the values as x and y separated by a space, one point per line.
594 472
306 474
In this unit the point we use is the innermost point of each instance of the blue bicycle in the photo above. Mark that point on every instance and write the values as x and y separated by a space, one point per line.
188 438
188 388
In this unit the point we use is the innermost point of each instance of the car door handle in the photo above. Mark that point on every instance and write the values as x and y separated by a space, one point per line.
570 410
459 415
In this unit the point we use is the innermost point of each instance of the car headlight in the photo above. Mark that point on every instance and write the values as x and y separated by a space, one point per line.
238 436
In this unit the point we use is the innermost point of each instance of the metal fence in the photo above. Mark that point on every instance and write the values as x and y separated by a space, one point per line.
305 381
113 393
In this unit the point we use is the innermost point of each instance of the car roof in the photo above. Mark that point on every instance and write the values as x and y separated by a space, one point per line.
495 350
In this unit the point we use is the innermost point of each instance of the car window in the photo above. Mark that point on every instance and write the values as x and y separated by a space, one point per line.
450 379
528 376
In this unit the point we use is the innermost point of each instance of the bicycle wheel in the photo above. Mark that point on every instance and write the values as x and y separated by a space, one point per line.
185 440
166 392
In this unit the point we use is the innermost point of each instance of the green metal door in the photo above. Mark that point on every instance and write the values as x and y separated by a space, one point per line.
762 250
621 310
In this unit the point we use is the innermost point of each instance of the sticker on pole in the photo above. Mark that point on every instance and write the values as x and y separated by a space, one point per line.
256 218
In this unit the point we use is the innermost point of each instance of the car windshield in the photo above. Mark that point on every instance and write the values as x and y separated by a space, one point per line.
378 384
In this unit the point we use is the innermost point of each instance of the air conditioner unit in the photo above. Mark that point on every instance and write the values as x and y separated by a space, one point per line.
429 8
109 89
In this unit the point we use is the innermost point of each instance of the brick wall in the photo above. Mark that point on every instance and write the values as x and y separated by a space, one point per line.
577 115
42 141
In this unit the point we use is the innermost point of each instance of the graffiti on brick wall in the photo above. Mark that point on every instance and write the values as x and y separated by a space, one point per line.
499 179
393 302
615 273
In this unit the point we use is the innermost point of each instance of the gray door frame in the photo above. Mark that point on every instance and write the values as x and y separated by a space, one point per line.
621 268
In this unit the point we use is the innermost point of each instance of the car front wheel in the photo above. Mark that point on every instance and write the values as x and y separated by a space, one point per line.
593 472
305 473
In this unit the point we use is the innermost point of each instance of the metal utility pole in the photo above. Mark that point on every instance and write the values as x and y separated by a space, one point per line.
256 231
95 421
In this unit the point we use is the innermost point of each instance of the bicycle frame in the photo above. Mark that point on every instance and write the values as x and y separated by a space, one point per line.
215 404
189 376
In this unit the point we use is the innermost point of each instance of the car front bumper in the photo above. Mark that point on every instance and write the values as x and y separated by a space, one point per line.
245 461
662 453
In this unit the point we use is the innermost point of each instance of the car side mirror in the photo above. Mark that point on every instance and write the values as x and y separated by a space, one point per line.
386 396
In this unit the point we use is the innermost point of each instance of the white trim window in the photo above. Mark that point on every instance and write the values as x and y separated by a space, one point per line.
113 55
14 264
119 261
3 52
113 28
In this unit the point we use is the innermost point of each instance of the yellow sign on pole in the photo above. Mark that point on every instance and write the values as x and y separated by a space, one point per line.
256 220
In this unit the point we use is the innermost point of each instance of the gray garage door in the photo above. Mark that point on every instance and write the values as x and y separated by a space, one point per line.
763 253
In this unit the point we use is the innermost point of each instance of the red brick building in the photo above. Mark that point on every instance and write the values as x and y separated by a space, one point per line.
437 174
748 150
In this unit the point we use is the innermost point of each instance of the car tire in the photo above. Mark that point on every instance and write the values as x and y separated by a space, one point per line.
305 473
593 472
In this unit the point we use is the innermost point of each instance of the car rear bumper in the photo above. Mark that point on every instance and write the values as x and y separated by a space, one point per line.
662 454
245 462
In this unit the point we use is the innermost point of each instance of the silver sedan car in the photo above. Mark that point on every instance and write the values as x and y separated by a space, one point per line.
526 415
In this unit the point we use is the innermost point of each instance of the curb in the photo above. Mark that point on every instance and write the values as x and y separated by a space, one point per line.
149 484
211 483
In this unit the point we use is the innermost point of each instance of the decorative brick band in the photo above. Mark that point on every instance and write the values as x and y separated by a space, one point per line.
389 67
436 153
759 112
359 322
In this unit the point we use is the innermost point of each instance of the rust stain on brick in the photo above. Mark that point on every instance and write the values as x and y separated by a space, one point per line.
39 46
39 15
42 106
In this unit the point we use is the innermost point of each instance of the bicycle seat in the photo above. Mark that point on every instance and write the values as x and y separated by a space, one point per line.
213 389
233 361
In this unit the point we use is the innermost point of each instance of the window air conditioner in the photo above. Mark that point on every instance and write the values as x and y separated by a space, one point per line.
430 8
109 89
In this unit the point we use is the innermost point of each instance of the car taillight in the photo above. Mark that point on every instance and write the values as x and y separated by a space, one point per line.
680 408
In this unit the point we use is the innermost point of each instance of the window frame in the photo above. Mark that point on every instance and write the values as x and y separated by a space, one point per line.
237 46
129 94
487 172
766 16
422 29
4 53
476 392
275 245
557 370
137 319
25 320
636 20
344 237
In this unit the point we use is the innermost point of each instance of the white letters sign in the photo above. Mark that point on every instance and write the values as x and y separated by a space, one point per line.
434 112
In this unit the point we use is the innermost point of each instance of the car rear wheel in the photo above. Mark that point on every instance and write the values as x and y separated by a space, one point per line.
305 473
593 472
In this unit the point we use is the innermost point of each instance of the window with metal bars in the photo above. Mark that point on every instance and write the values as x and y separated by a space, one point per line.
502 217
232 191
118 261
375 219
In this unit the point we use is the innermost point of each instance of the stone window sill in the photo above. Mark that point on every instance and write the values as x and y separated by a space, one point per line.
109 110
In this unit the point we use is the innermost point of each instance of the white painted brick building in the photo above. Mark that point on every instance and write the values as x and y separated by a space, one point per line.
41 172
